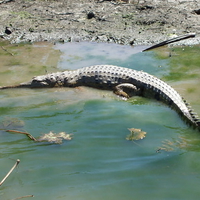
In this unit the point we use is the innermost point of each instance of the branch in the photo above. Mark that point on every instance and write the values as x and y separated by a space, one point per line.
7 51
25 133
15 165
172 40
23 197
5 1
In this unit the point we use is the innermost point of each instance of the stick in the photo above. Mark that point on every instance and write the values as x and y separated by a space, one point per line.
15 165
176 39
7 51
5 1
23 197
25 133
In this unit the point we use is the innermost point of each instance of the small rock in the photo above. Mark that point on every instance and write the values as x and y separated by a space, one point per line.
8 31
197 11
132 42
103 38
90 15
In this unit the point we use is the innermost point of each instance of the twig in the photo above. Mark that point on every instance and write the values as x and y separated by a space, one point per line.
5 1
49 137
176 39
7 51
15 165
23 197
25 133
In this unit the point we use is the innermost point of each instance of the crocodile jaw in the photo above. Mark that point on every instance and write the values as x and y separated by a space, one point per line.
34 84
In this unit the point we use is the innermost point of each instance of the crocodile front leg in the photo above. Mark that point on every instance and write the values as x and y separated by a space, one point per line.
126 90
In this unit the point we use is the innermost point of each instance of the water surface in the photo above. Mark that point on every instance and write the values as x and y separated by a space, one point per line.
98 163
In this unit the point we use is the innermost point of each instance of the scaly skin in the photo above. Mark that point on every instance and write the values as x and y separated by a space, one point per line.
123 81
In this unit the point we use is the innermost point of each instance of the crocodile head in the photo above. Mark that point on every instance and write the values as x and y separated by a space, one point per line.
40 82
45 81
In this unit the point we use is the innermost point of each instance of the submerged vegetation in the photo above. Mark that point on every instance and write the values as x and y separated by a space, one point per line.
99 149
184 62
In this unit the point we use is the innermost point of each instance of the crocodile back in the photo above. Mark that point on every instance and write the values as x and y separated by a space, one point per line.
109 76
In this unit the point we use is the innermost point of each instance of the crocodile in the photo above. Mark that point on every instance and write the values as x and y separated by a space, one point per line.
122 81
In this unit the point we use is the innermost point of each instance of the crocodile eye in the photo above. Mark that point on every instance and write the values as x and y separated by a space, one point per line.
34 81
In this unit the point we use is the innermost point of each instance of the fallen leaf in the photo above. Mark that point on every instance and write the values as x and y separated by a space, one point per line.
136 134
55 137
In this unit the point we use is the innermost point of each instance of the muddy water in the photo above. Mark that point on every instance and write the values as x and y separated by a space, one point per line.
98 163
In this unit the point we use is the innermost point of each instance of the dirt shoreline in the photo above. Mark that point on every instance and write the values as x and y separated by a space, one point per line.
136 22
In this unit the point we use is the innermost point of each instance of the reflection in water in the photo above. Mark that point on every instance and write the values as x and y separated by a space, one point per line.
99 163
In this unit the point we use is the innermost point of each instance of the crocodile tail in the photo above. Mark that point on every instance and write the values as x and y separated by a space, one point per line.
195 118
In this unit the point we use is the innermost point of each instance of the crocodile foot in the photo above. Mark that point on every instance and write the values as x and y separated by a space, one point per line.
126 90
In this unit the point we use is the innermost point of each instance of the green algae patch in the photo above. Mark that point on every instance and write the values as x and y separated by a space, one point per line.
184 63
183 71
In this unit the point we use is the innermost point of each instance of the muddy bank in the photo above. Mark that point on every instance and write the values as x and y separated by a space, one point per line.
124 22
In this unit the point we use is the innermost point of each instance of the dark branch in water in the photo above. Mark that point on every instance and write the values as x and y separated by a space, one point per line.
172 40
25 133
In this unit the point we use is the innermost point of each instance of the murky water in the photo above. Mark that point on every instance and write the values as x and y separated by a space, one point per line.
98 163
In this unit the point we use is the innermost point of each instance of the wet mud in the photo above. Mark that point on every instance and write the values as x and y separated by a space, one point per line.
129 22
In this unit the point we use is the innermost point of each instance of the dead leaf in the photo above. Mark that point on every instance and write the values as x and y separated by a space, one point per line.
136 134
55 137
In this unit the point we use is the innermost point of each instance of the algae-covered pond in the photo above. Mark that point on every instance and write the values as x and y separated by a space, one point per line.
98 163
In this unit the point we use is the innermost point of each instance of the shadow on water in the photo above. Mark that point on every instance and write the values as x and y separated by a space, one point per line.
99 163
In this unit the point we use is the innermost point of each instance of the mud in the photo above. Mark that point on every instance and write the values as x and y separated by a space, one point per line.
130 22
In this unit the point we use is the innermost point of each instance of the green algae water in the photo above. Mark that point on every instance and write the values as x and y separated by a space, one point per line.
98 163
